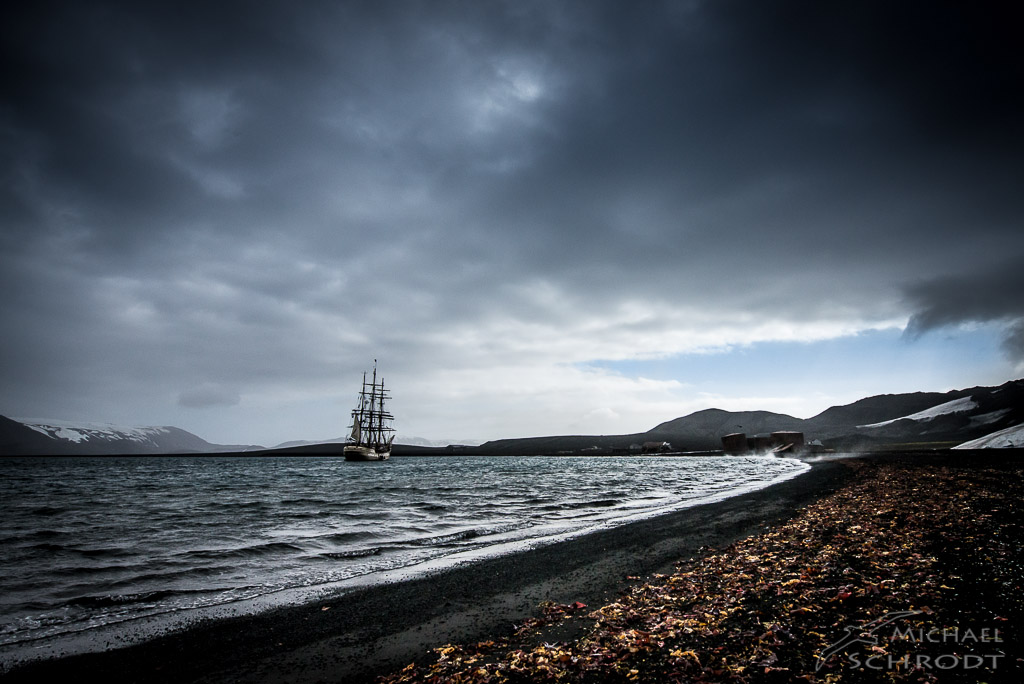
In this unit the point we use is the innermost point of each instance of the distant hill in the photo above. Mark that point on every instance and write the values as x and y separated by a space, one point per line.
707 427
874 422
878 408
956 416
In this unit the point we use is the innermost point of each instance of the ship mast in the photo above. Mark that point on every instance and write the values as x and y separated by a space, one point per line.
370 420
375 411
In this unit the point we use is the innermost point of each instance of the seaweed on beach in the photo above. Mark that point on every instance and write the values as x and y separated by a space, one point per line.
906 574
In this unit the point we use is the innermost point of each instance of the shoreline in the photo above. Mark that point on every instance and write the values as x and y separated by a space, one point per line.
373 630
911 571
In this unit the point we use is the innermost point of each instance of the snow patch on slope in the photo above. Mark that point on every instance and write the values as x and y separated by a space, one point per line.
956 406
986 418
1010 437
79 432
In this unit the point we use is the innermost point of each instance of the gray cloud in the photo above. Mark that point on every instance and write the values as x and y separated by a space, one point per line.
1013 341
208 194
995 294
207 396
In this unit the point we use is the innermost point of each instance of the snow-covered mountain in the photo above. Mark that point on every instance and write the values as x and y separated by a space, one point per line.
65 437
82 432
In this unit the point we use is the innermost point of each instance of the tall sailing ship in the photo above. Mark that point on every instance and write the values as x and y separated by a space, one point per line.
372 433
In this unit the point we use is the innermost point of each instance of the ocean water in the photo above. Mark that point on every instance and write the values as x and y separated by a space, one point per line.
97 543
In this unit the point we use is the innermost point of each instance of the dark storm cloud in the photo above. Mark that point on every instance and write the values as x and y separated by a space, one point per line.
1013 342
844 137
663 108
948 300
991 295
202 195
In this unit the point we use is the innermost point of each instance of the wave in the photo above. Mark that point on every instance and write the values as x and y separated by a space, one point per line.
105 552
46 534
310 515
578 505
48 510
244 552
454 538
148 597
355 553
444 539
306 502
342 538
229 506
431 507
108 600
15 538
47 546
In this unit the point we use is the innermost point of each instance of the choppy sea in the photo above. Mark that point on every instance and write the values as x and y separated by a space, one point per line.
91 544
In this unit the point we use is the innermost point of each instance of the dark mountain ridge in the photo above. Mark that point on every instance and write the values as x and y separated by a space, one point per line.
983 410
881 407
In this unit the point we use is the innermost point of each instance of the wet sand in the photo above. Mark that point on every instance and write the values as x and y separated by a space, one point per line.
376 630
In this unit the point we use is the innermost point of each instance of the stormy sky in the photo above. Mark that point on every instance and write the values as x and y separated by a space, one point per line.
539 217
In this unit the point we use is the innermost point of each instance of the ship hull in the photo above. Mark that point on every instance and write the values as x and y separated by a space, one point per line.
360 453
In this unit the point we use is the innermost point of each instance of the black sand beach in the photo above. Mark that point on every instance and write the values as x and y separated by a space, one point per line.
376 630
